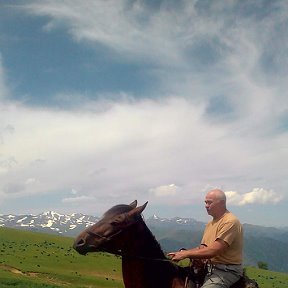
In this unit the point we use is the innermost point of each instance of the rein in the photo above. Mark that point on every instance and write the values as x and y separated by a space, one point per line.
120 253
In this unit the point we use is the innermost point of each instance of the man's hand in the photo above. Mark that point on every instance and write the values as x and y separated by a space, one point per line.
208 252
177 256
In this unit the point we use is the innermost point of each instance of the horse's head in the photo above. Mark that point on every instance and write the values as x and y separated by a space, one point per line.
107 233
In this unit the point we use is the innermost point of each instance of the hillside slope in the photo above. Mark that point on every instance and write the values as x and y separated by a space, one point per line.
38 258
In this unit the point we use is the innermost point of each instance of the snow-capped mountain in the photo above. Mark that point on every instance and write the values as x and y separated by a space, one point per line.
51 222
178 223
72 224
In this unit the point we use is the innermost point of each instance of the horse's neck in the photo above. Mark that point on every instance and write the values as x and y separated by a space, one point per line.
142 243
144 268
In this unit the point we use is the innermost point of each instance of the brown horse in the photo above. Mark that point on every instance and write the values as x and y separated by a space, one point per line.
122 231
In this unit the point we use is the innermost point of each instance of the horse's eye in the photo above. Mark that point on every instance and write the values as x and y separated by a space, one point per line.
118 220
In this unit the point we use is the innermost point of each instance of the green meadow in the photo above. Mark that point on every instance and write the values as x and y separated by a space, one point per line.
29 259
36 260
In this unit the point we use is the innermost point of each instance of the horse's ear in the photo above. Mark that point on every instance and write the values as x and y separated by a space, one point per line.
133 204
137 210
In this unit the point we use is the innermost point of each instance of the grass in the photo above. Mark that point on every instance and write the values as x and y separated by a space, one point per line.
268 279
37 260
43 259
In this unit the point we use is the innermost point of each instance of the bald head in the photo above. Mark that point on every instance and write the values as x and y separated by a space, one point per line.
215 203
217 194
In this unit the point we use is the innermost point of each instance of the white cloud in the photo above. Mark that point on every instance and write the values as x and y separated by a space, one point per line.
30 181
175 39
113 142
256 196
166 34
132 146
164 190
129 29
74 192
79 199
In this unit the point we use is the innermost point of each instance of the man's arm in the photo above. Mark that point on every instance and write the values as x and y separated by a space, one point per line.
203 253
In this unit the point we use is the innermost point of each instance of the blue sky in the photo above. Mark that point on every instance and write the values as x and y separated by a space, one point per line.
104 102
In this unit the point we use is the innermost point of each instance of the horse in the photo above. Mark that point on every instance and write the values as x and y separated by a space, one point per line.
122 231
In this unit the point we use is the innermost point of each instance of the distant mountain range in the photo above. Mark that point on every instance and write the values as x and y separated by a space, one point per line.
266 244
49 222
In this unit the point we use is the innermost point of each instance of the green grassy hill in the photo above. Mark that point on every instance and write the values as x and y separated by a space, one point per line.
30 259
35 260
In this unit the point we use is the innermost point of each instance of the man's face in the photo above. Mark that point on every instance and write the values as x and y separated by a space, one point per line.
212 204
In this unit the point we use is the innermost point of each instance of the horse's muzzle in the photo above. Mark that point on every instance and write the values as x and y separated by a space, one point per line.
80 247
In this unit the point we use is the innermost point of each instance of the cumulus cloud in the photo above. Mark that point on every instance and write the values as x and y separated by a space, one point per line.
164 190
256 196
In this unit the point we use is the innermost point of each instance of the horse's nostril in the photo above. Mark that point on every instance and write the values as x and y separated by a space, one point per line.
80 243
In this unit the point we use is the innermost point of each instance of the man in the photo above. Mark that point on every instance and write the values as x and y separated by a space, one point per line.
222 243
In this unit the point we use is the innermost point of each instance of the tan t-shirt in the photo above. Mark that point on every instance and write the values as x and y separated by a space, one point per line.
229 229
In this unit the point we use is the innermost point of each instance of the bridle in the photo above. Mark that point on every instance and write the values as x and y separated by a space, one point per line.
119 252
109 238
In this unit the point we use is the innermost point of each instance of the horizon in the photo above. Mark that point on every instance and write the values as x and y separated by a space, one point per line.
104 102
146 217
